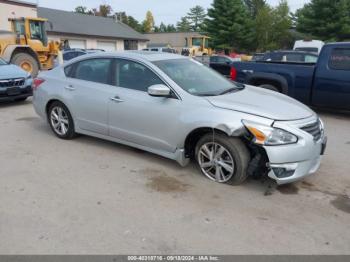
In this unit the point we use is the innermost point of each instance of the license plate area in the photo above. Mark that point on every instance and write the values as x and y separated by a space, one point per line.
12 91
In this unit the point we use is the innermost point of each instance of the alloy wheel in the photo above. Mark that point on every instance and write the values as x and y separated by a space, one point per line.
59 120
216 162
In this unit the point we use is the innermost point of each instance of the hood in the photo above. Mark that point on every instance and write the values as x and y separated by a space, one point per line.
262 102
11 71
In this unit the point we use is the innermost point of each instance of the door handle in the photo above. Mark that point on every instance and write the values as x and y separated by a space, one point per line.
117 99
70 87
248 71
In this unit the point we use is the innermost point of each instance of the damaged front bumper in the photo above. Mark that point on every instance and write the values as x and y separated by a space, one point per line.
290 163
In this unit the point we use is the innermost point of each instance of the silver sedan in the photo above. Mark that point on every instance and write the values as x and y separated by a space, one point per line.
180 109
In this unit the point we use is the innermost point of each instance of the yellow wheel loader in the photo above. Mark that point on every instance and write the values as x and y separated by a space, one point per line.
27 45
197 46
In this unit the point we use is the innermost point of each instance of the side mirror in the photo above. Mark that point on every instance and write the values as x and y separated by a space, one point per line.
159 90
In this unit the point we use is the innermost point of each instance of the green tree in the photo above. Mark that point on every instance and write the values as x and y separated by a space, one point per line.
183 25
170 28
81 10
282 24
326 20
196 17
133 23
122 17
103 10
254 6
272 27
230 25
162 27
148 23
264 28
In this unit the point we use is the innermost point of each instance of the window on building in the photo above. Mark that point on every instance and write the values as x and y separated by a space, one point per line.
130 45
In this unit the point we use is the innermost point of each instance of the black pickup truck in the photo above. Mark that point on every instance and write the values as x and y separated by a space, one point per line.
325 83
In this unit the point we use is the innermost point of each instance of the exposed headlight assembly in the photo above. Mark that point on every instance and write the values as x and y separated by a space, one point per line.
269 136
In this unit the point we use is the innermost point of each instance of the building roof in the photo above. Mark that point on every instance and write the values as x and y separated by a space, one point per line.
19 2
64 22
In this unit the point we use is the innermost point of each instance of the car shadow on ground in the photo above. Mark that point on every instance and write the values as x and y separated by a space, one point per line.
14 104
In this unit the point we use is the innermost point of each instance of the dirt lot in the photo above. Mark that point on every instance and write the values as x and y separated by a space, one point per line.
96 197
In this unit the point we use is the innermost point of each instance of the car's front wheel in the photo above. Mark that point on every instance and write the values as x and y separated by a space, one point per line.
61 121
223 159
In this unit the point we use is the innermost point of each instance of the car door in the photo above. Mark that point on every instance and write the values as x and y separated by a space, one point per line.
88 91
332 79
137 117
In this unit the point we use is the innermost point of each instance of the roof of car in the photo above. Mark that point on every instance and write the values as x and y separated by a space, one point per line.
338 44
293 51
148 56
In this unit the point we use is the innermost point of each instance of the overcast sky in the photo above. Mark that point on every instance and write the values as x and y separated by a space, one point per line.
168 11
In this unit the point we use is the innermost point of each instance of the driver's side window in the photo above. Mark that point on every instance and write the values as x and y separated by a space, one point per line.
132 75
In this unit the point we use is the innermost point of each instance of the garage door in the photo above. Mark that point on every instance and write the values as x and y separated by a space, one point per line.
107 46
77 43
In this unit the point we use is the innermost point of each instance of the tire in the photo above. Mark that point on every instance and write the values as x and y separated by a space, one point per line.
26 62
65 119
270 87
235 155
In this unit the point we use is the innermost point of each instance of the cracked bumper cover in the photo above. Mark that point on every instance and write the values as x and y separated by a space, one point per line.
290 163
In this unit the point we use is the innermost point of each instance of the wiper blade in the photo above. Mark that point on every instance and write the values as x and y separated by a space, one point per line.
208 94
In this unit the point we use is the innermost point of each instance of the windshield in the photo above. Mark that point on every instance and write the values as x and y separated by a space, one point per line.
195 78
2 62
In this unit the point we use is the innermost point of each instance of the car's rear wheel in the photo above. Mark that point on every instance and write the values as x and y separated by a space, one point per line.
61 121
223 159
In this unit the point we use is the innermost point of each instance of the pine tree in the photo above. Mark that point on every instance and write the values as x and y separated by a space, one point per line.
230 25
254 6
196 17
184 25
326 20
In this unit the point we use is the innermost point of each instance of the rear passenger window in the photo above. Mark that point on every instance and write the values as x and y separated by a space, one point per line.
340 59
94 70
135 76
68 70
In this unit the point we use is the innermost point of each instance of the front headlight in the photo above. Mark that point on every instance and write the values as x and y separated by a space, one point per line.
269 136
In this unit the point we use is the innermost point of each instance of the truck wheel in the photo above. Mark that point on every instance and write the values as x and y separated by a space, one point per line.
26 62
270 87
224 159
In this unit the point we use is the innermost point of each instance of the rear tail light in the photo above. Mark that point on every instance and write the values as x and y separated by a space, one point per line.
37 82
233 73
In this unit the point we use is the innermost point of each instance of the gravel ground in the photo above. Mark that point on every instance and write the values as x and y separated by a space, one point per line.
89 196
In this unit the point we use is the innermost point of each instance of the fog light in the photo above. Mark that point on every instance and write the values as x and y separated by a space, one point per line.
281 172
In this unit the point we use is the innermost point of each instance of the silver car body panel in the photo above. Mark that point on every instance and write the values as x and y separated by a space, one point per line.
160 125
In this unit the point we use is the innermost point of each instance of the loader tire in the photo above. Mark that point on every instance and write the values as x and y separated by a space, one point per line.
26 62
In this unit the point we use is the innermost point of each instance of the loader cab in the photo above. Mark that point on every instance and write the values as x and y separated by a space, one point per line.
30 31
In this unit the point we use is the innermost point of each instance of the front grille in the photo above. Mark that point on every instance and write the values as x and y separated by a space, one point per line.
12 82
315 129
